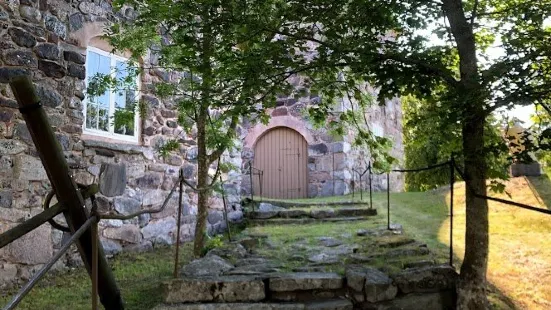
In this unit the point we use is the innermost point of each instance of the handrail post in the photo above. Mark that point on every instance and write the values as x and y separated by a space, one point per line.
388 198
251 179
452 181
179 224
225 209
261 180
370 189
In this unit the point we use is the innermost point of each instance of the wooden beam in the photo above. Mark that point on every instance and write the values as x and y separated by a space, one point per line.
30 224
37 220
64 186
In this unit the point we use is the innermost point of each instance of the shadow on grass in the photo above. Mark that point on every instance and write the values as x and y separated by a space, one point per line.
541 188
425 216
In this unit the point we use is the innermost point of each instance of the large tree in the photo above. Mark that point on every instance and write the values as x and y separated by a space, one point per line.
388 44
227 69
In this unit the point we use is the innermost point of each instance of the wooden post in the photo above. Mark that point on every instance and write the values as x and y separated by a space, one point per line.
65 188
179 223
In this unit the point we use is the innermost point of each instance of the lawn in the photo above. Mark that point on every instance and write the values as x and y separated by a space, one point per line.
138 277
519 263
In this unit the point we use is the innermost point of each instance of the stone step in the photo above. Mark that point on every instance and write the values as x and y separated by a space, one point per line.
303 281
293 204
293 221
315 213
337 304
214 289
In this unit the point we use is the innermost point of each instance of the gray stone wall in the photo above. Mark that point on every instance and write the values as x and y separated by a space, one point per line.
332 161
47 40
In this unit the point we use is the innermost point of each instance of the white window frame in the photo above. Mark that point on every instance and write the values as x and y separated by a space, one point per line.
111 133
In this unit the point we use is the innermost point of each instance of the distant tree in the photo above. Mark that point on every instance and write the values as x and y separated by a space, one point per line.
431 138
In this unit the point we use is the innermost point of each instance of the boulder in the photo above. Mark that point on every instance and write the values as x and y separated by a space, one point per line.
305 281
160 230
11 147
127 232
126 205
263 215
217 289
322 213
111 247
6 199
33 248
329 241
407 252
211 265
324 259
439 300
378 286
112 179
229 251
355 277
426 279
29 168
292 213
419 264
266 207
394 241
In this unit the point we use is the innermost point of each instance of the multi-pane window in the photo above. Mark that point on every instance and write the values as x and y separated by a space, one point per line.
113 113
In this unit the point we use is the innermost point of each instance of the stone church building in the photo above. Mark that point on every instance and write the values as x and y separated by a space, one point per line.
58 43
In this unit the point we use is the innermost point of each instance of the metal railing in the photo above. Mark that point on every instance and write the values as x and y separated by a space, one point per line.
252 172
453 167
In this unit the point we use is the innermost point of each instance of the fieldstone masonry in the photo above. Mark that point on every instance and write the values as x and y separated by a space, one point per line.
333 162
47 40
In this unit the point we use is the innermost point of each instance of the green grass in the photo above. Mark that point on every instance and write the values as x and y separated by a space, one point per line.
138 276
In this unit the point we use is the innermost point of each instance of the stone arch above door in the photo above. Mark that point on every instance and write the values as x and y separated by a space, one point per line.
298 125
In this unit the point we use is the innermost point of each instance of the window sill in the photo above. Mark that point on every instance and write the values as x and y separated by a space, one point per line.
121 146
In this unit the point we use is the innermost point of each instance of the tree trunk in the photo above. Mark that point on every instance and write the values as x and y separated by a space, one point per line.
202 119
472 283
202 184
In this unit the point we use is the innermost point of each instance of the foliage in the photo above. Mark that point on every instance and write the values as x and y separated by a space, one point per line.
213 243
431 138
168 146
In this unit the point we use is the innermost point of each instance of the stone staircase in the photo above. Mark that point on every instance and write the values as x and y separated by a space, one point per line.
361 288
236 277
280 213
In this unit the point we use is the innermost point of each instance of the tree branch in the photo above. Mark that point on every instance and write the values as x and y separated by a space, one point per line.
474 14
220 150
441 71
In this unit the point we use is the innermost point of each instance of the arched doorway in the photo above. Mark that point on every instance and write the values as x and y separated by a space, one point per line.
282 155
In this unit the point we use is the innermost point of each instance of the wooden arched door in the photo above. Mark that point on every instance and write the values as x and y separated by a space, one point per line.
282 155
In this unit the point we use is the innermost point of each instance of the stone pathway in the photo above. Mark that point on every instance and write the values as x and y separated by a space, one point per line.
237 276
